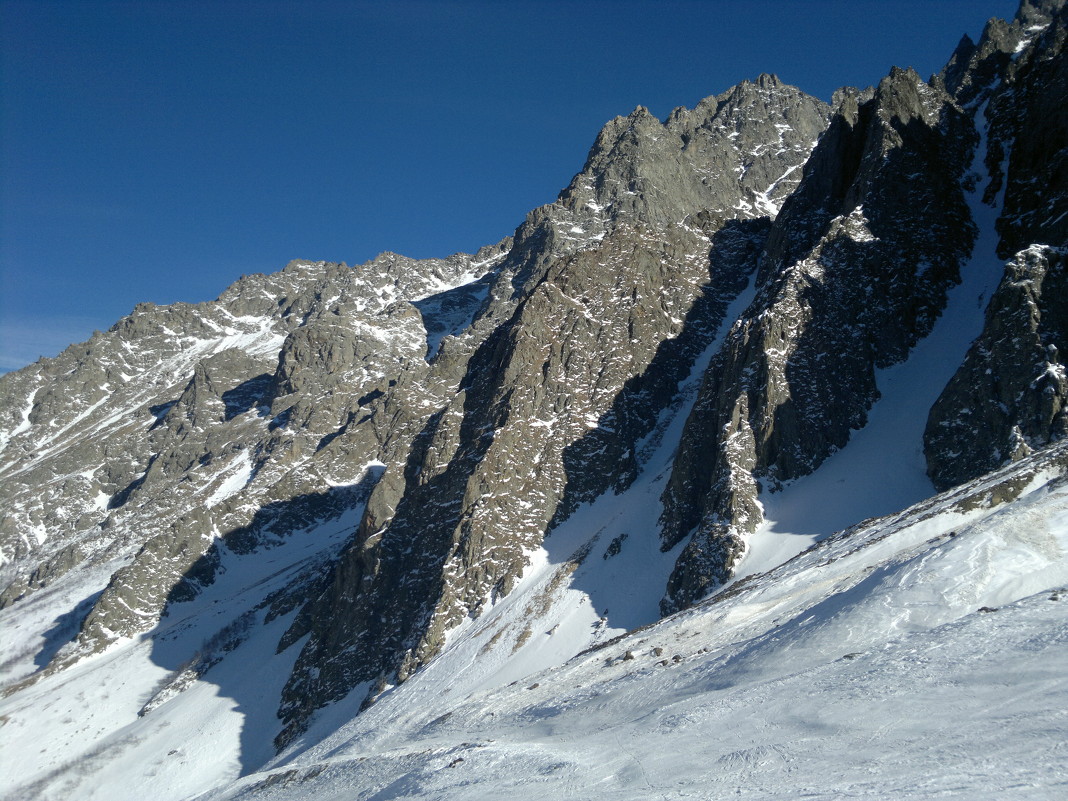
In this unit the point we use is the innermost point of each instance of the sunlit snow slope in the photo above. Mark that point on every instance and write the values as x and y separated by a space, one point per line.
422 530
921 655
143 720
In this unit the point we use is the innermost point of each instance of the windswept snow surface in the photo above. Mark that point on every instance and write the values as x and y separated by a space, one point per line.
923 655
136 722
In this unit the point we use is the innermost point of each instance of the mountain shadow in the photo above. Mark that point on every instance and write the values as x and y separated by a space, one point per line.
224 617
64 629
607 457
381 596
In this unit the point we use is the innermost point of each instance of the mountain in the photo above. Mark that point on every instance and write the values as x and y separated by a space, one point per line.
764 412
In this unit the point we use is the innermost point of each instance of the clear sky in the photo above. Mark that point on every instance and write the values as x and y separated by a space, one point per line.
157 150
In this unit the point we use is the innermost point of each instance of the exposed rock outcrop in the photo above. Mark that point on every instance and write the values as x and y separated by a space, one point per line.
854 272
608 296
446 415
1010 397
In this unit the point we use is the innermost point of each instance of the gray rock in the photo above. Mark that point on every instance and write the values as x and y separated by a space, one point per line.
1010 397
468 405
184 424
592 320
1007 398
854 272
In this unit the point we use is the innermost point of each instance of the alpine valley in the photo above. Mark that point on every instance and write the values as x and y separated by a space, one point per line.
740 469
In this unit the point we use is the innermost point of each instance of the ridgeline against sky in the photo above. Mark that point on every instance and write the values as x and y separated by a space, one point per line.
158 151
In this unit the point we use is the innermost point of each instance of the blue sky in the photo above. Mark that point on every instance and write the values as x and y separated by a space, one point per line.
158 150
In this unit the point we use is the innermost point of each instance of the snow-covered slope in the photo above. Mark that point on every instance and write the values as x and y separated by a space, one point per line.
917 655
920 655
639 502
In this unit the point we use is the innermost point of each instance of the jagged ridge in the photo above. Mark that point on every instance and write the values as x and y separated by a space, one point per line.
467 406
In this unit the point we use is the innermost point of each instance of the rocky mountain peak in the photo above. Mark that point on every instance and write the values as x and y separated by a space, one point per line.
622 263
379 457
1039 12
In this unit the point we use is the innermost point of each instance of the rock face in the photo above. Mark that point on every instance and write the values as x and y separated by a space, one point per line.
1029 124
186 429
598 312
448 414
1007 398
856 270
1010 397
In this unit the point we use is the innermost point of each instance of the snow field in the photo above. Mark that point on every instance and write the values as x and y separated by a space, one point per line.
922 656
78 733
